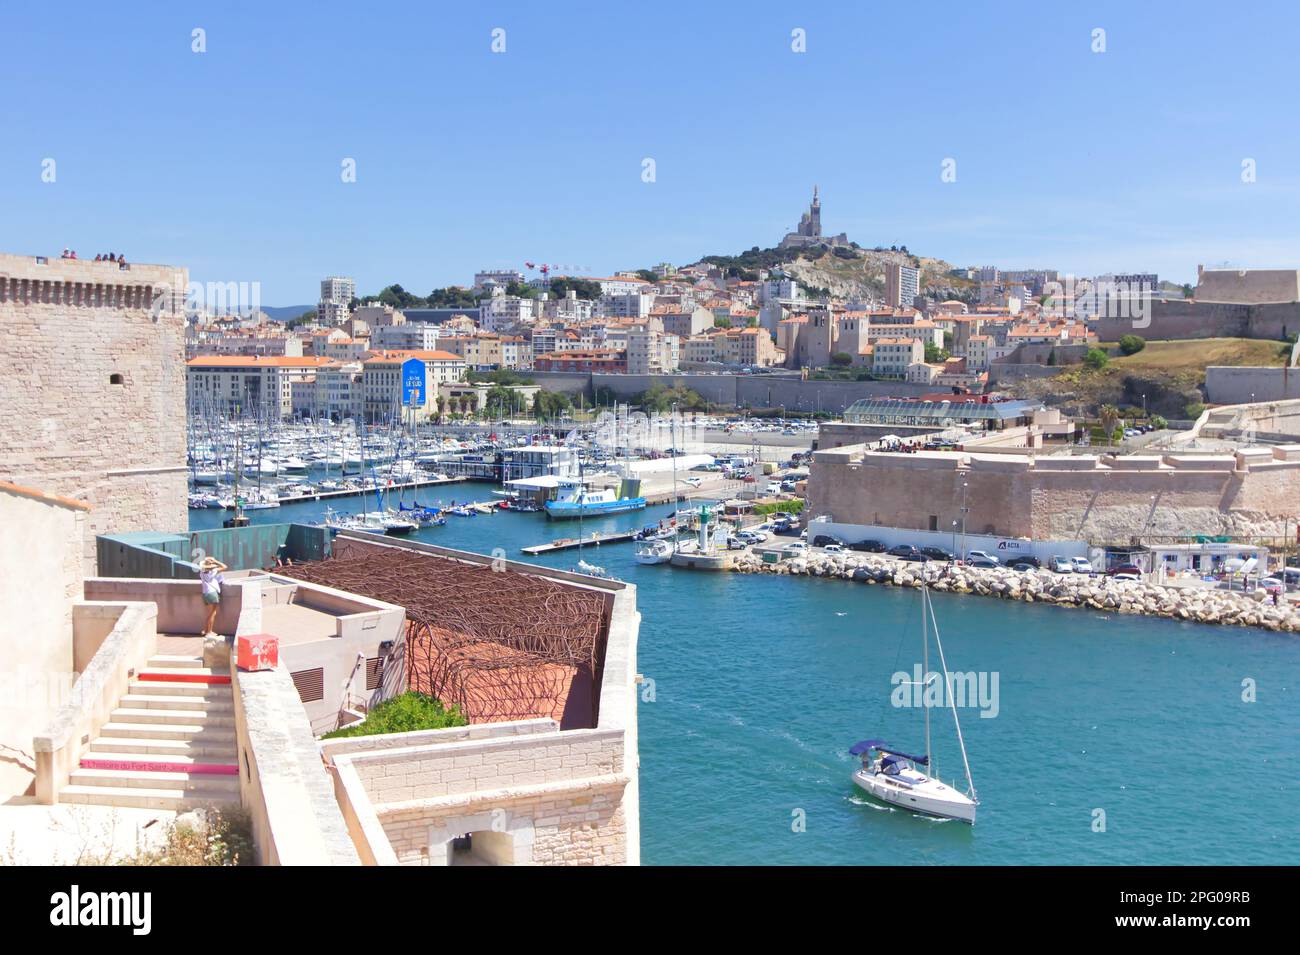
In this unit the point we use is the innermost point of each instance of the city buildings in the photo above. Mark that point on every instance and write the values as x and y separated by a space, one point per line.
247 385
336 295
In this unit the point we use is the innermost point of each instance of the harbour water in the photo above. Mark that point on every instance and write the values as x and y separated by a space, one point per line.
761 683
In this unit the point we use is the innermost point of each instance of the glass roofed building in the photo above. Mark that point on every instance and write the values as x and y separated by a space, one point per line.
973 412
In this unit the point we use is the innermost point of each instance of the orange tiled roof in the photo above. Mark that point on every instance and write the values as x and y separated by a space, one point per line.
260 361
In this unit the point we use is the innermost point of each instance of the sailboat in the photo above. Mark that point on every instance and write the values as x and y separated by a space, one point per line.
660 550
897 778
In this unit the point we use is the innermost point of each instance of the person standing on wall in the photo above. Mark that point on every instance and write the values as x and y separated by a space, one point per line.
211 579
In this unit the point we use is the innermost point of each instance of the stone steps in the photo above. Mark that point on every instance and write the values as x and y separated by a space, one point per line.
169 744
216 747
140 798
125 714
208 703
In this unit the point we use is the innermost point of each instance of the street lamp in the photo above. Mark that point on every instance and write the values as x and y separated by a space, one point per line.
964 511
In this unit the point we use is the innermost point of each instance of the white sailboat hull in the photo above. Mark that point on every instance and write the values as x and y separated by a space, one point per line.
654 552
922 794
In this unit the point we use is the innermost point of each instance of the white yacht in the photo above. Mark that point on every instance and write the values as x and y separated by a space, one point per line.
895 777
655 551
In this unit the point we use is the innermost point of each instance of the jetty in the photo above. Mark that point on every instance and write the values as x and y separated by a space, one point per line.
353 492
569 543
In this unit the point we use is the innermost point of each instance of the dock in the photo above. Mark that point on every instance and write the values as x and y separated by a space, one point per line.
352 492
569 543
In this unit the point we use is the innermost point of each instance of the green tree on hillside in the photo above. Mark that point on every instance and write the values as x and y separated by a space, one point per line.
1132 344
1096 359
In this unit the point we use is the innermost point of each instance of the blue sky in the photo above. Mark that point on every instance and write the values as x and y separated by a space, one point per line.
229 161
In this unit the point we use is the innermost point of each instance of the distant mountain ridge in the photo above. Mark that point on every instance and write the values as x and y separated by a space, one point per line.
285 313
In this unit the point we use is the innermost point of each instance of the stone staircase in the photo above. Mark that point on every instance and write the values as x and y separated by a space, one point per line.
170 744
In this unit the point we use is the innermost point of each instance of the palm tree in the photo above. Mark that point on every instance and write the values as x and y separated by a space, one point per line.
1109 415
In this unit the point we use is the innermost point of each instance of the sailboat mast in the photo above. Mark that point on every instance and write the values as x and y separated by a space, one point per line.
952 704
677 501
925 675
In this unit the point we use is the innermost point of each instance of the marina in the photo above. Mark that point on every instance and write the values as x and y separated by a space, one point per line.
714 648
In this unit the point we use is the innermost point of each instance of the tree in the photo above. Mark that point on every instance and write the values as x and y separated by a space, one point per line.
306 318
499 401
452 297
934 354
550 404
660 398
1109 416
521 290
841 359
585 288
1158 421
1132 344
1096 359
721 321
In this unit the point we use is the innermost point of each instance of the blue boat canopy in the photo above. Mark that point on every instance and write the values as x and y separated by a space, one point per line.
861 747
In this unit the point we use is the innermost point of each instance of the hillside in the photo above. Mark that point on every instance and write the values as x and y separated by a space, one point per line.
846 273
1169 374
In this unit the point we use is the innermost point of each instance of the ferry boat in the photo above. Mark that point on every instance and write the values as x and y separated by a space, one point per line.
574 500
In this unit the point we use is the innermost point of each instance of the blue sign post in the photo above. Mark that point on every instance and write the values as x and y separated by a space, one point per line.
413 380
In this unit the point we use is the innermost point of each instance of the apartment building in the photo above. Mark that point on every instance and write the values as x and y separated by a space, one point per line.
408 336
230 382
336 295
607 360
892 357
395 380
902 285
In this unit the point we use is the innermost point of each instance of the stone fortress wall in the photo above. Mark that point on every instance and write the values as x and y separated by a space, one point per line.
1102 499
93 401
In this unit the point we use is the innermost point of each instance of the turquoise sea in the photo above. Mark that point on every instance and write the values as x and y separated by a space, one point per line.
760 685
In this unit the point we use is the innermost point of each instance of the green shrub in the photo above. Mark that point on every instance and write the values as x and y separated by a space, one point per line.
1158 421
404 714
1096 359
793 506
1194 409
1132 344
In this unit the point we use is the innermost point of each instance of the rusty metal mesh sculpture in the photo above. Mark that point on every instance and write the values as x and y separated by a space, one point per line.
500 644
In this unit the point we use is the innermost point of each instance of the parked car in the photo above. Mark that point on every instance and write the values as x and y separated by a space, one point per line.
1024 567
693 481
821 540
1081 565
981 555
787 486
833 549
797 547
907 552
986 562
1130 569
736 543
791 529
868 546
1061 565
1029 559
1126 575
937 553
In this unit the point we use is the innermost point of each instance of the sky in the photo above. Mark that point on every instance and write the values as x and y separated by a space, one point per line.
231 161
